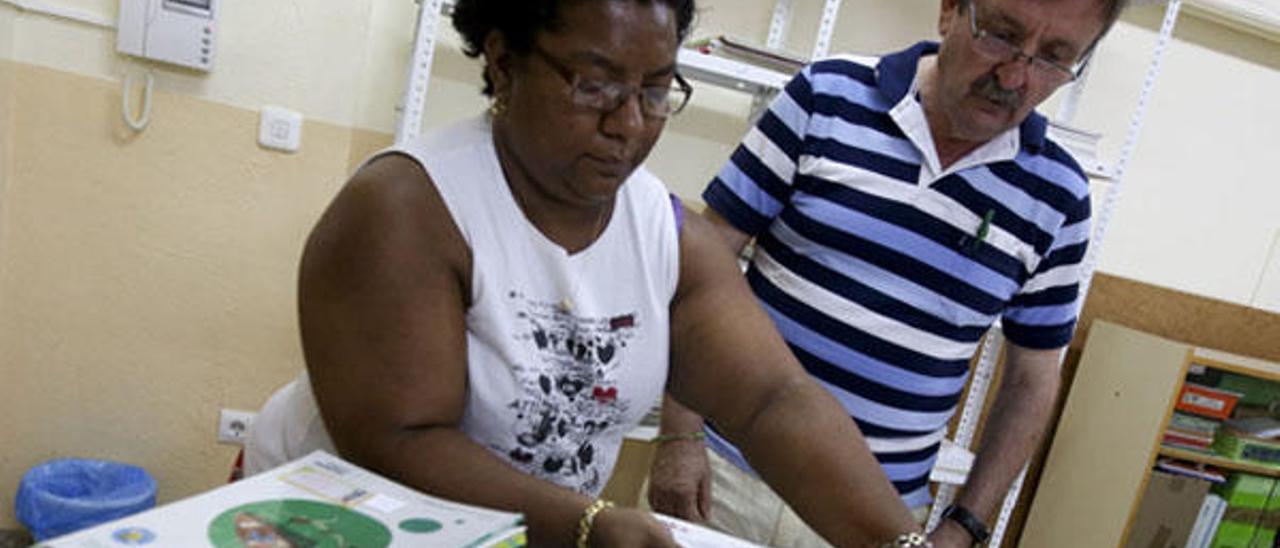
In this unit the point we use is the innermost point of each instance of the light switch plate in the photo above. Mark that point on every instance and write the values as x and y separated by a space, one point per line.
280 129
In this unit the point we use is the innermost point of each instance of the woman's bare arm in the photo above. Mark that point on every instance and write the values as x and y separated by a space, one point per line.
730 365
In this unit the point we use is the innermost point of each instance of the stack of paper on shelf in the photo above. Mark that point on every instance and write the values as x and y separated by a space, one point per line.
1262 427
1191 469
733 48
318 500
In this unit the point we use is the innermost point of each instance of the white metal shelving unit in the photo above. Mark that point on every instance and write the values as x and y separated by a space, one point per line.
761 83
764 84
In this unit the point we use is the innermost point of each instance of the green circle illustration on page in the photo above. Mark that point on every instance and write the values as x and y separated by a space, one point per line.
295 523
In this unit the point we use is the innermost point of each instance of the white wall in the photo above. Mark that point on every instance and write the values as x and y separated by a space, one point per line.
1199 205
1267 296
6 33
1197 213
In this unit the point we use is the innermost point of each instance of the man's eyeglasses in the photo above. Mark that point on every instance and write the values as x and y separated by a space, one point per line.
607 96
997 48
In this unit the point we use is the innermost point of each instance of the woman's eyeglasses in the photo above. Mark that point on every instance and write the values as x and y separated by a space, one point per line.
607 96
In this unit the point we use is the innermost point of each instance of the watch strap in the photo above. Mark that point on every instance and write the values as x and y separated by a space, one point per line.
976 528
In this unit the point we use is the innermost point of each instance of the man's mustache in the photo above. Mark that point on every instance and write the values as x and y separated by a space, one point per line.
988 87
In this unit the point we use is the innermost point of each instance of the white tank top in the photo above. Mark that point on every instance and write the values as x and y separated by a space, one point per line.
566 353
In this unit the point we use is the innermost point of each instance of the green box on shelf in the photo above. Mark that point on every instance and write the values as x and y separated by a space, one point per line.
1239 446
1269 522
1233 534
1246 491
1263 538
1255 391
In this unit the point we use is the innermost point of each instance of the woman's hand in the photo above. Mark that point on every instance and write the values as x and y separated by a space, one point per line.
627 528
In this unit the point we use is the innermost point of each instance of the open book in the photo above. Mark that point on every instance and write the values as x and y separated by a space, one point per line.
323 501
318 500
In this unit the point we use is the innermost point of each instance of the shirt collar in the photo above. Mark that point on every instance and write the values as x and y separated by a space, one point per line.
896 72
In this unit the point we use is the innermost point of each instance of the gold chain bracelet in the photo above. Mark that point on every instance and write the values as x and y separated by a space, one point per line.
589 518
663 438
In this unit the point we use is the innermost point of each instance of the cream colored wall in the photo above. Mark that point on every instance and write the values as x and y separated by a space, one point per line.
147 281
148 278
6 139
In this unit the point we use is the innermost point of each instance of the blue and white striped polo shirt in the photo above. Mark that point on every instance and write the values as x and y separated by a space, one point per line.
880 281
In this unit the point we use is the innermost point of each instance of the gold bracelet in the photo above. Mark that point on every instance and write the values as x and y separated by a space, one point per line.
589 518
910 540
663 438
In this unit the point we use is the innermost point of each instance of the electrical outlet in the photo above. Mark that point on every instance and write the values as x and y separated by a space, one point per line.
280 129
233 426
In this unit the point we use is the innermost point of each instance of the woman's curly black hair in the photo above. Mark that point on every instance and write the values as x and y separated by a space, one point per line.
519 20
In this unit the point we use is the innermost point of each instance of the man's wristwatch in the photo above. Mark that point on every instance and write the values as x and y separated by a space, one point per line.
970 522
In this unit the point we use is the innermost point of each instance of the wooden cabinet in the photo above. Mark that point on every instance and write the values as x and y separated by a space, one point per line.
1109 435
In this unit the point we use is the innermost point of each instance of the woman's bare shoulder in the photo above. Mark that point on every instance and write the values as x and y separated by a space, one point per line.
390 214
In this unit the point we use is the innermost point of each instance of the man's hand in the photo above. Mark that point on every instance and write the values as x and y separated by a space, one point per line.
627 528
680 480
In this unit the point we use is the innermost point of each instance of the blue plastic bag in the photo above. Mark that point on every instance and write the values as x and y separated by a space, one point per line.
65 495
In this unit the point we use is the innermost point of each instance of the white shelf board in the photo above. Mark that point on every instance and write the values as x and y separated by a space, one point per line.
1257 17
1083 146
729 73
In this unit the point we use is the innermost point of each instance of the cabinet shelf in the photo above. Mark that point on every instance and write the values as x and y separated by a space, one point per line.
1105 448
1219 461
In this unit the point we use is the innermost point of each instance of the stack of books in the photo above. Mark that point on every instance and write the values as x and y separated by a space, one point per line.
1192 432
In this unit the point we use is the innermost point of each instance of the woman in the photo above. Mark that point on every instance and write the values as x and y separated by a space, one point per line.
485 313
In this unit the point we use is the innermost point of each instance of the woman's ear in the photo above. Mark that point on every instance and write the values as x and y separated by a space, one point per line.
498 63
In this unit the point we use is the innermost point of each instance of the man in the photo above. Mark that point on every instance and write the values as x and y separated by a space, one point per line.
899 209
